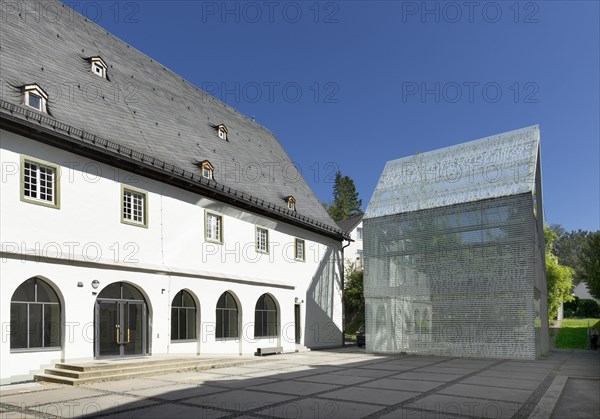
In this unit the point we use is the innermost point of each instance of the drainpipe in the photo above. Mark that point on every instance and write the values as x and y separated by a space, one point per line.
343 275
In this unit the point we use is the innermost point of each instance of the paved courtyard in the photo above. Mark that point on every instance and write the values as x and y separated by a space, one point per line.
341 383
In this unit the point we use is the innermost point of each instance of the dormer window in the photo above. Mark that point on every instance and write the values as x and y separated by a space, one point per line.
99 67
207 169
291 203
35 97
222 132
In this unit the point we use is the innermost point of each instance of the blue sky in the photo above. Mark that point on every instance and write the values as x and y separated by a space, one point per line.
349 85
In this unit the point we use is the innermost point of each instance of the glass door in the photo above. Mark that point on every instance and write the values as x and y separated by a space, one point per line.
121 328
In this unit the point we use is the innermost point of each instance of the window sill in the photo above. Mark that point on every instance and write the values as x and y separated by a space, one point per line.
30 350
184 340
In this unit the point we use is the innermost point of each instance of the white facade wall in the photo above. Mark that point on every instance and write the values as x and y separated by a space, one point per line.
353 253
84 240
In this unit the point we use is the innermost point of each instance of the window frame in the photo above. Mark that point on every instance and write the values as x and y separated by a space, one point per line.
43 325
36 90
181 308
359 233
258 240
206 165
221 219
132 190
219 310
264 325
99 62
222 132
296 242
56 182
291 203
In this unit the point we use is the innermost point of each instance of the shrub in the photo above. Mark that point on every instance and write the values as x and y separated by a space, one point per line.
588 308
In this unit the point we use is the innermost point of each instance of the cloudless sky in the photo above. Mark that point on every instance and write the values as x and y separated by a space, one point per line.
349 85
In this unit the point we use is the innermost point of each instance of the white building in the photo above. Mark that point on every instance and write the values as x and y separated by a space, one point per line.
140 216
353 253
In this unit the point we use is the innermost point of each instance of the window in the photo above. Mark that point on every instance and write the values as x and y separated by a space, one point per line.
227 317
183 316
133 208
291 203
99 67
299 250
262 240
265 317
35 97
214 228
34 316
359 233
39 182
222 132
207 169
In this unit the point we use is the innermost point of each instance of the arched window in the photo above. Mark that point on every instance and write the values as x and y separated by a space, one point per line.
34 316
265 317
183 317
227 317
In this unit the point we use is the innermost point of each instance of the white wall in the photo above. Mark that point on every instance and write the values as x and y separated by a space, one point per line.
352 251
85 240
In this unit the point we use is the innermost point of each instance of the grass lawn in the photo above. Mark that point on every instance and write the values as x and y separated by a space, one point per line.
573 333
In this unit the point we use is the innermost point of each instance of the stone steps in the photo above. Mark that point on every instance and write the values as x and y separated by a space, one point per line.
93 372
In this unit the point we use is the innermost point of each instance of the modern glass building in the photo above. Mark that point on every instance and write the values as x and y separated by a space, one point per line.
454 252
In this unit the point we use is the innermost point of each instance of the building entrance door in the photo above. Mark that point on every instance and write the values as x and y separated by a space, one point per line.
121 322
297 330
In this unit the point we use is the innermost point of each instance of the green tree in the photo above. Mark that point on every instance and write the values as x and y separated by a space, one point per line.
568 248
354 300
346 203
558 277
590 261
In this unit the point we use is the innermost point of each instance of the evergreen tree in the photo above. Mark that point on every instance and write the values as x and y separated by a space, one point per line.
345 199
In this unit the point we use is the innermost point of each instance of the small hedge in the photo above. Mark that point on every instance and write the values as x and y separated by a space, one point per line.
588 308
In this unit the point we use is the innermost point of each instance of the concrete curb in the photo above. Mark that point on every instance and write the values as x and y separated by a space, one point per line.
549 400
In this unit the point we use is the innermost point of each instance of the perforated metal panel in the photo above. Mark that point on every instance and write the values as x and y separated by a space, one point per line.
465 279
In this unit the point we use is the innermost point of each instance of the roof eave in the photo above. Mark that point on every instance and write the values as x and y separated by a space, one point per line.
97 149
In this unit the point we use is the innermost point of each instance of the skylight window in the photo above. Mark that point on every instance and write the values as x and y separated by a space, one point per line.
35 97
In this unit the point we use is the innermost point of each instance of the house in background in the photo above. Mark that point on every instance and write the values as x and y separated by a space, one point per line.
353 253
139 215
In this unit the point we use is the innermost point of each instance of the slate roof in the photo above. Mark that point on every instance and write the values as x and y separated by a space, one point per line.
491 167
350 224
146 110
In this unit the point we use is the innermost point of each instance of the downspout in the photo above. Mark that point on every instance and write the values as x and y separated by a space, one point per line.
343 275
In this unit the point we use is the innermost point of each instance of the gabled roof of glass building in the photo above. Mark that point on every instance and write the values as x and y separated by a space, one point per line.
490 167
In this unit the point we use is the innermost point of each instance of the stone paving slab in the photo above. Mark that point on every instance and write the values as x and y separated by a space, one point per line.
239 400
447 370
370 395
579 399
427 376
364 372
418 414
93 406
502 382
403 385
484 392
295 387
171 410
511 374
334 379
445 405
127 385
318 408
176 391
55 395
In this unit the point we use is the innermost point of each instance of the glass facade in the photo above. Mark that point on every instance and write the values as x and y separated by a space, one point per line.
464 279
